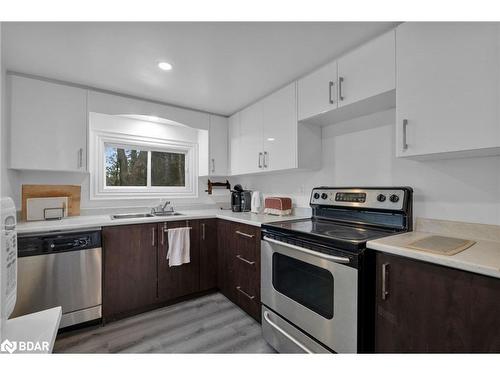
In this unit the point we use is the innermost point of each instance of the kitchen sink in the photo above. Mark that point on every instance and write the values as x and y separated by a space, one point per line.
130 216
168 213
143 215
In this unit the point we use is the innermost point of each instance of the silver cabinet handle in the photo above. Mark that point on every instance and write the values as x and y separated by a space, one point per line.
405 143
80 158
213 165
203 231
286 334
265 159
238 288
153 235
330 86
245 234
311 252
385 274
341 80
245 260
164 229
260 159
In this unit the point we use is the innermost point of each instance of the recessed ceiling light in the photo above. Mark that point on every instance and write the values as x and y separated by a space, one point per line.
164 66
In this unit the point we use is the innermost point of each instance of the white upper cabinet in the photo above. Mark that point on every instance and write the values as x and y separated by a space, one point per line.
358 83
279 113
48 125
218 145
250 143
234 144
447 89
317 92
367 71
267 137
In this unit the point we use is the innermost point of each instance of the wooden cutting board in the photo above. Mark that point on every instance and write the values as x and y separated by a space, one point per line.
73 192
441 245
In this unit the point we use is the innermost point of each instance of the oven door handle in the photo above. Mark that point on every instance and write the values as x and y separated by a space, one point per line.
311 252
286 334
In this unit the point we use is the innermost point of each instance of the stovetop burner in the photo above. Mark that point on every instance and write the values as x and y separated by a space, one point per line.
352 234
344 236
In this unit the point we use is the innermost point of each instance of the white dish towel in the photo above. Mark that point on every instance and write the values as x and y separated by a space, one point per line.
178 246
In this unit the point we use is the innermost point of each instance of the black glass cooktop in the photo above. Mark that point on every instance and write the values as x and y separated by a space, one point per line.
329 232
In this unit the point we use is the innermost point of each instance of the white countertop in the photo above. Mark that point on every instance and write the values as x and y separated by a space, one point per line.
96 221
483 257
38 330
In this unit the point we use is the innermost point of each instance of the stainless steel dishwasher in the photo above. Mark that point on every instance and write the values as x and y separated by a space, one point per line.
60 269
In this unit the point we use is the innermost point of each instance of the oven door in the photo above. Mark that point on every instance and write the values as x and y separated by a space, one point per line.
317 292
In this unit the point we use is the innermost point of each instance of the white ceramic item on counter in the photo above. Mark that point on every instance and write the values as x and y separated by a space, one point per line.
256 202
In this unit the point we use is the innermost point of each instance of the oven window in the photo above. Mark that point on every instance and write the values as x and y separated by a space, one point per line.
309 285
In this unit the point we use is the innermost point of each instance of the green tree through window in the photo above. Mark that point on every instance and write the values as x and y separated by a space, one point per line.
129 167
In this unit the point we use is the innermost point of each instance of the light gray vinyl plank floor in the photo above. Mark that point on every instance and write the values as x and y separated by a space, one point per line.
209 324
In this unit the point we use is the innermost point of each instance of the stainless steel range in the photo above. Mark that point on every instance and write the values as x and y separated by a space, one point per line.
317 284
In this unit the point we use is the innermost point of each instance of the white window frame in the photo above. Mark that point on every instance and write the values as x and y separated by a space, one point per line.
97 164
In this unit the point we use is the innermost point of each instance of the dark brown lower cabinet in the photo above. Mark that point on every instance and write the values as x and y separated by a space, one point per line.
426 308
178 281
246 251
226 263
129 268
137 276
239 265
208 254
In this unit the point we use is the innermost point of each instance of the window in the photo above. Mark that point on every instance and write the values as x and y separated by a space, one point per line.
126 166
168 169
133 167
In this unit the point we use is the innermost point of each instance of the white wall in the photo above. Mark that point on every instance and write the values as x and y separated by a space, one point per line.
361 152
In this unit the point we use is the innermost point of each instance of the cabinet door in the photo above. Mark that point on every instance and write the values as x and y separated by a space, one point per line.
226 261
250 142
48 125
218 140
317 92
425 308
178 281
208 254
280 129
367 71
447 87
234 143
129 268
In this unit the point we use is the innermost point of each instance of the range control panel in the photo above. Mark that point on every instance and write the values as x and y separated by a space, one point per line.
377 198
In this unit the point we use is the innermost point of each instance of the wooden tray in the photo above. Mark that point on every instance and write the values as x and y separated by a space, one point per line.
73 192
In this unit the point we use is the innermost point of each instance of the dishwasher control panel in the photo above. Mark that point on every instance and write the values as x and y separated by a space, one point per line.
46 243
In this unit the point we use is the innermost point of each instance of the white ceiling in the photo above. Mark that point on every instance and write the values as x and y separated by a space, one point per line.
218 67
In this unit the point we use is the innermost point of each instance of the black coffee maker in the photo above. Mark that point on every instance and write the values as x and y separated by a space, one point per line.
241 200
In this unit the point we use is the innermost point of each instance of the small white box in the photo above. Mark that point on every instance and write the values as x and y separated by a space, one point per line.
36 208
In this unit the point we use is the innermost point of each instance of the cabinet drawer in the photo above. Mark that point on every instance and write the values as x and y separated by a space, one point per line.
245 241
247 290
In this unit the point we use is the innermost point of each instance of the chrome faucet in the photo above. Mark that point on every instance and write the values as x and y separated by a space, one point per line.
162 209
